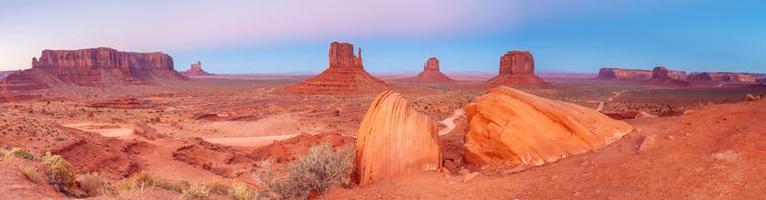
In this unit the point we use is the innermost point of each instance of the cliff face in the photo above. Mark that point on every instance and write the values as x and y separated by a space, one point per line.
517 68
94 67
634 74
196 70
431 73
344 74
509 127
661 76
395 139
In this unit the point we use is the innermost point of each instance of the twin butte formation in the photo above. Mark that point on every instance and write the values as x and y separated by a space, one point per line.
506 127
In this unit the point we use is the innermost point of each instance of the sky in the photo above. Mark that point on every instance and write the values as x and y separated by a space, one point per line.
292 36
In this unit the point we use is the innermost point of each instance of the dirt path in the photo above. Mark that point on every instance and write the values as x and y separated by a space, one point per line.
248 141
449 122
610 99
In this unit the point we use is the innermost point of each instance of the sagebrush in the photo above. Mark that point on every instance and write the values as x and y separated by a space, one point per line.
19 153
59 170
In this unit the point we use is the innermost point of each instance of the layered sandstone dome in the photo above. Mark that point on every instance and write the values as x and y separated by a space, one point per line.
517 68
394 139
93 67
196 70
345 73
508 126
431 73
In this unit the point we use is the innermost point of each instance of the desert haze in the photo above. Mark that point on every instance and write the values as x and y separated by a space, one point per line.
95 122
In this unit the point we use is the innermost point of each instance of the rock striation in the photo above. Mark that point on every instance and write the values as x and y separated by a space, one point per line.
345 73
509 127
431 73
394 139
94 67
517 68
196 70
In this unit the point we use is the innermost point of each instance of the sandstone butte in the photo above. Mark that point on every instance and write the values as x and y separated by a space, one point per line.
723 77
431 73
509 127
517 68
196 70
664 77
633 74
345 73
93 67
394 139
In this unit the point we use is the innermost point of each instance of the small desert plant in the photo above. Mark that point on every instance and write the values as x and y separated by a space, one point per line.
315 172
19 153
93 184
196 191
59 170
138 181
31 173
240 191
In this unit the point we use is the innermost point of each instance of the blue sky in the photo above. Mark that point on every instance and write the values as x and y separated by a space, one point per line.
241 36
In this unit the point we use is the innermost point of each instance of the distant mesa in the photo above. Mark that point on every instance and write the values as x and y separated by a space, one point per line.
509 127
93 67
395 139
196 70
517 68
723 77
661 76
431 73
345 73
633 74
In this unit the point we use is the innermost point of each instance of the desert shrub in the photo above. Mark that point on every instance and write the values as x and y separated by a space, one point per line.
59 170
196 191
19 153
31 173
315 172
171 185
93 184
240 191
138 181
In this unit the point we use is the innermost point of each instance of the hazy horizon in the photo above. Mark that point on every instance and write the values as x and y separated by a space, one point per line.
249 37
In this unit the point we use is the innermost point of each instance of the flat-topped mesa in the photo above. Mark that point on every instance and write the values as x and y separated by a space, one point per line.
395 139
724 77
633 74
196 70
510 127
94 67
664 77
517 68
345 73
431 73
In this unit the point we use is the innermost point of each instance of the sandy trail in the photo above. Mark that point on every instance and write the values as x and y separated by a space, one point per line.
449 122
105 129
610 99
248 141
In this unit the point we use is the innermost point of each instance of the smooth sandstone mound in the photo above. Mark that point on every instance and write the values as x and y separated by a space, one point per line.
508 126
394 139
431 73
345 73
94 67
517 68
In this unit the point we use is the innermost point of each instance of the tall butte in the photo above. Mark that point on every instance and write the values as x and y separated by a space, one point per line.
509 127
431 73
395 139
345 73
517 68
196 70
93 67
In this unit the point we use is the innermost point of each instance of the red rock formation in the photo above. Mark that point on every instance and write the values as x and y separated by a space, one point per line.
94 67
508 126
345 74
393 139
431 73
663 77
723 77
196 70
633 74
517 68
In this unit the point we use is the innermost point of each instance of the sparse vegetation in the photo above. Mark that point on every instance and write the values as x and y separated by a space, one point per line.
196 191
31 173
19 153
93 184
240 191
59 170
315 172
138 181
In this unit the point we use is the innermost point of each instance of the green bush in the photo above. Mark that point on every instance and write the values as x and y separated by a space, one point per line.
315 172
59 170
19 153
